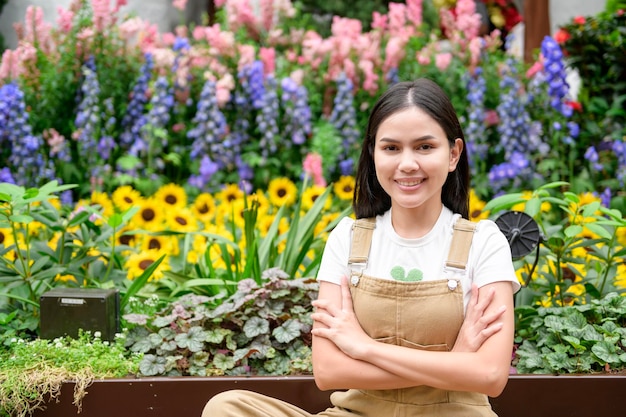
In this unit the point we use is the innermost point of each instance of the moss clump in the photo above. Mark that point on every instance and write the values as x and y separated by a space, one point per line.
32 372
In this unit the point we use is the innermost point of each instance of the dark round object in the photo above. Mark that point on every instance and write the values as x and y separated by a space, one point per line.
521 231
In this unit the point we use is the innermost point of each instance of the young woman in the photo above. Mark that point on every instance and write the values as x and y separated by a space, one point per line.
415 309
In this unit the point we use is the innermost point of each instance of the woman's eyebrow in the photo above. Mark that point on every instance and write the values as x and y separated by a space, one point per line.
419 139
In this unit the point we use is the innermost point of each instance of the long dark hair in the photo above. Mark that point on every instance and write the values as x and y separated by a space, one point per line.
369 197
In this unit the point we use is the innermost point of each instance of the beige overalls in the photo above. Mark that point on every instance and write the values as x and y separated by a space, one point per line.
420 315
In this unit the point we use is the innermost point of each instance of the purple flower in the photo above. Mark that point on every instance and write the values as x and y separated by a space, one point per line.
267 119
5 175
343 117
297 111
592 156
134 118
25 161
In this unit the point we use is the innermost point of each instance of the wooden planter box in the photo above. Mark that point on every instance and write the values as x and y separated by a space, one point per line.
525 395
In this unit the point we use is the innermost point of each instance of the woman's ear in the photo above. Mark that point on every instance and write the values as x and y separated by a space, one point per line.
455 154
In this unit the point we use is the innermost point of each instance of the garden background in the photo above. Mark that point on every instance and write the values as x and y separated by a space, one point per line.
198 172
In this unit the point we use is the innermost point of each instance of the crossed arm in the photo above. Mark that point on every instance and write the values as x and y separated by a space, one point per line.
344 356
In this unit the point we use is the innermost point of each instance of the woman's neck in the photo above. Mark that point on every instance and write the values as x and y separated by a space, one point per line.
415 222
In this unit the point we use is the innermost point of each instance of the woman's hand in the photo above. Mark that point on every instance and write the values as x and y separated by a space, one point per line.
478 325
340 326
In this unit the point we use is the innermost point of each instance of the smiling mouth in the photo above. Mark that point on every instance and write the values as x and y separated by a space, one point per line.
409 183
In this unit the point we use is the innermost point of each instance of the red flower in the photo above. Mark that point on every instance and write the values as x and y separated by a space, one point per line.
580 20
562 36
575 105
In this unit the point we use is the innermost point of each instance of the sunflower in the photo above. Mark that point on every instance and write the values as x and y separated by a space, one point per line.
126 236
261 199
237 212
181 220
6 237
620 276
323 224
150 215
282 192
344 187
103 202
311 194
263 224
137 263
204 207
229 193
476 207
65 278
167 244
125 197
171 195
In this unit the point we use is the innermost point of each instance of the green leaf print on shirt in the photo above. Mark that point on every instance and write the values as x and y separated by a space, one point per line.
399 274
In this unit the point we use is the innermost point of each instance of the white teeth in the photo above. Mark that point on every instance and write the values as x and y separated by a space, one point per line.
409 184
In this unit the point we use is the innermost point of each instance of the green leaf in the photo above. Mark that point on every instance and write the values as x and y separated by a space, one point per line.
152 365
287 332
256 326
193 340
139 282
504 202
223 362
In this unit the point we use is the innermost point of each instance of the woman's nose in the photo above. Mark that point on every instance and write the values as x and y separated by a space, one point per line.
408 161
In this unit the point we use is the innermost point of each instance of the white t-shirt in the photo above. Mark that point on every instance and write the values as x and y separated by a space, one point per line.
395 257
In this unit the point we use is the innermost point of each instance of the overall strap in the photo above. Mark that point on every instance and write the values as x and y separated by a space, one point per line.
461 243
362 231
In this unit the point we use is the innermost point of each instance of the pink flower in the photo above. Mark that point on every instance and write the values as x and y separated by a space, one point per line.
312 167
268 57
65 19
180 4
101 14
491 118
580 20
379 21
414 11
442 60
535 68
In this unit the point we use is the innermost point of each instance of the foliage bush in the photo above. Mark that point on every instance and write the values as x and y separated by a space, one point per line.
259 330
572 339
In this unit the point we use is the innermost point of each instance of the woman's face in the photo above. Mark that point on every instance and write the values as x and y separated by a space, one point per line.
412 157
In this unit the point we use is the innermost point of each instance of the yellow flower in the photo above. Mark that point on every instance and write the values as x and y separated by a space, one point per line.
236 213
323 223
229 193
125 197
476 206
261 199
621 235
137 263
204 207
263 224
282 191
150 215
65 278
102 201
527 195
311 194
181 220
620 276
126 237
172 196
168 244
344 187
6 237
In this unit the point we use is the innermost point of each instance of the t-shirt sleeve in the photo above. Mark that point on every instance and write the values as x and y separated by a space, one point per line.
493 262
334 264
